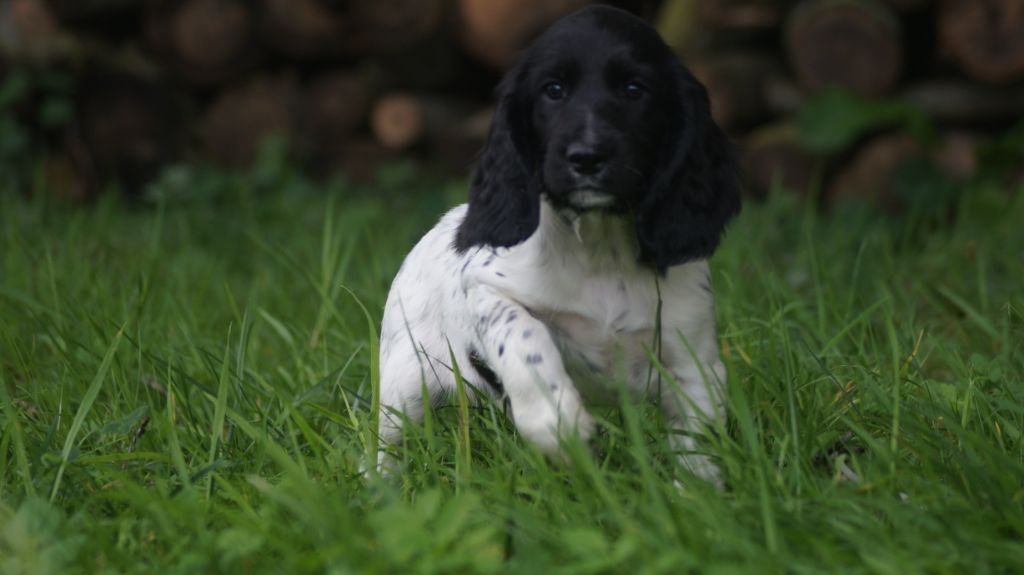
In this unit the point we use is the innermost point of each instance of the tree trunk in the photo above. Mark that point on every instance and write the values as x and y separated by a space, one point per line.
853 44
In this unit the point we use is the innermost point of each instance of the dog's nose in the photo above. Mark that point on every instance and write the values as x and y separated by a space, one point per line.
585 160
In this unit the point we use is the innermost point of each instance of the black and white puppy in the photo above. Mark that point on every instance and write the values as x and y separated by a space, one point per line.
601 192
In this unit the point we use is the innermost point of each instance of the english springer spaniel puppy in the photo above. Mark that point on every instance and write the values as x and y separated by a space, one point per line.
602 190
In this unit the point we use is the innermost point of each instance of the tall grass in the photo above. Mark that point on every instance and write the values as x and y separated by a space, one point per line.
187 387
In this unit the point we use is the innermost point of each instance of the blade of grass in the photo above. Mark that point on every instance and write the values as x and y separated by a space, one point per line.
374 346
464 451
18 436
219 410
83 409
975 316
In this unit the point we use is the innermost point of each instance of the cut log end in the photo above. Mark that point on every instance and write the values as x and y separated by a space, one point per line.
398 121
242 118
985 37
773 159
856 45
737 86
204 41
301 28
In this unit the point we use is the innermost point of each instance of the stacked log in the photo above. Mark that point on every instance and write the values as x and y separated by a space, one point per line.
959 63
351 84
855 44
204 42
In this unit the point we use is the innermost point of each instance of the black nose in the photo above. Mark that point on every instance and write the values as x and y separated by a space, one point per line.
585 160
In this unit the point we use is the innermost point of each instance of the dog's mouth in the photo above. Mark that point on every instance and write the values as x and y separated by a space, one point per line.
591 198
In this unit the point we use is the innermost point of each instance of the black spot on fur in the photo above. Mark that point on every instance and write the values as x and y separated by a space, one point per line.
486 373
534 358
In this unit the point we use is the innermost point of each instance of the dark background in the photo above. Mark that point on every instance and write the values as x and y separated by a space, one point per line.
893 99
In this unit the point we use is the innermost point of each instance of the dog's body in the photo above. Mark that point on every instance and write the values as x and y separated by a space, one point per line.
603 188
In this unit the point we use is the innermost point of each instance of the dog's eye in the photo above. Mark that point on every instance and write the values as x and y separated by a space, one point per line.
554 90
634 90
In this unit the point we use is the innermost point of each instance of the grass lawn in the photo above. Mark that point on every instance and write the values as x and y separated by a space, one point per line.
185 387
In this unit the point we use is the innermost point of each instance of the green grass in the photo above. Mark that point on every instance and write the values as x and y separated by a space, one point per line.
185 387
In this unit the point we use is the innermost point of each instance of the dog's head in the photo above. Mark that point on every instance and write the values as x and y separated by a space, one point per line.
599 114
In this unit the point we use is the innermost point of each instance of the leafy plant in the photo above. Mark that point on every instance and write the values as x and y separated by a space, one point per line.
834 120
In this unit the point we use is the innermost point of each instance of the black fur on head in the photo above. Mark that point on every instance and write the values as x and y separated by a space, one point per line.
600 115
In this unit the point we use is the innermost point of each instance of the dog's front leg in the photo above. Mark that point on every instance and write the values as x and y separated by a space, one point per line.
693 404
520 350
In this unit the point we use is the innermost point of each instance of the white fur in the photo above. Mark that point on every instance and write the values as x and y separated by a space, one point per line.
560 319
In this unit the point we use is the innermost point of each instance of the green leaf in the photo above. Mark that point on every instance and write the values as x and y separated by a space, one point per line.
833 120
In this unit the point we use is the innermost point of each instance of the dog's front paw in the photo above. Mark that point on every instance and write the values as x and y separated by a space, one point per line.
704 468
548 421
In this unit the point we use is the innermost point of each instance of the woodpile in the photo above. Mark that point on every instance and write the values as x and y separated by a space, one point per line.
930 81
352 84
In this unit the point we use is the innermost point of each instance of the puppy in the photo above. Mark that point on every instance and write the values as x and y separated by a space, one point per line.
603 188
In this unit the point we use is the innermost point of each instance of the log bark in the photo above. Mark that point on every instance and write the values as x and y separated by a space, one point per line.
334 107
853 44
967 103
302 28
772 158
737 86
131 126
205 42
456 148
907 5
869 174
88 11
244 116
65 179
719 14
494 31
872 172
361 158
385 26
985 38
29 31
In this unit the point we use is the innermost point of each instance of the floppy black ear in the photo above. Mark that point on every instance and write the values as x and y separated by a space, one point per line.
695 189
504 194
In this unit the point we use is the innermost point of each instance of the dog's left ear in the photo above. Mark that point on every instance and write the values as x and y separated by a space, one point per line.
695 190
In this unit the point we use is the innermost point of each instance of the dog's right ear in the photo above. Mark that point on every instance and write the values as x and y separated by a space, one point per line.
504 195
